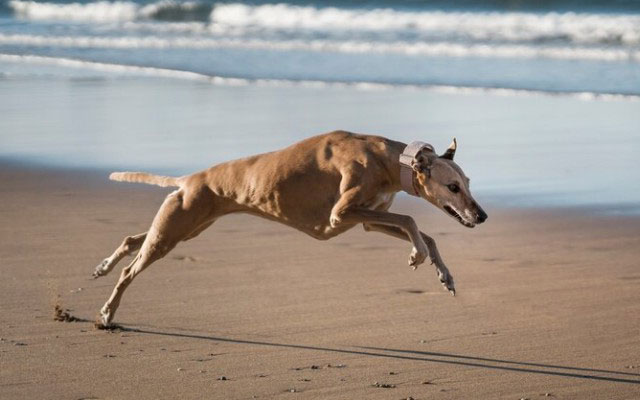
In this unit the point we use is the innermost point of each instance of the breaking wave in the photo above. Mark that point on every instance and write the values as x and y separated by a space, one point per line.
500 26
476 25
565 51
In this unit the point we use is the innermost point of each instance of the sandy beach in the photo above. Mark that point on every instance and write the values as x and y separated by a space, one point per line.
547 305
543 100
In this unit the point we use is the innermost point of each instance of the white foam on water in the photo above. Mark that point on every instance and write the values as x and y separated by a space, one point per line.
101 11
237 18
477 25
508 92
133 70
119 69
353 47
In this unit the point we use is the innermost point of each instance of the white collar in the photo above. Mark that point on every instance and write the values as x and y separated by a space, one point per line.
407 174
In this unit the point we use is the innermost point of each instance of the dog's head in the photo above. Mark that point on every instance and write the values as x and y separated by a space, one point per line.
443 183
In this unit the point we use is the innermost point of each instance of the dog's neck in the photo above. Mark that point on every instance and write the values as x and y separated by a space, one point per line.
394 150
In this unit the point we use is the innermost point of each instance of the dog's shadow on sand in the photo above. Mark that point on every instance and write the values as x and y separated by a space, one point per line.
425 356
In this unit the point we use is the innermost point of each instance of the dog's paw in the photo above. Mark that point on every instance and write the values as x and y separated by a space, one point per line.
104 318
102 269
334 220
100 325
417 257
447 280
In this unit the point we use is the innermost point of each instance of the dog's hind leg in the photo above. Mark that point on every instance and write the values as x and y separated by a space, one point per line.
129 245
179 217
143 259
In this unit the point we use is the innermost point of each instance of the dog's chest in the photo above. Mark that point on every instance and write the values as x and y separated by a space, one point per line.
381 201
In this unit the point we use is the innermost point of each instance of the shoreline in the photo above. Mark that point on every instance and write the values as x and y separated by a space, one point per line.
501 202
141 72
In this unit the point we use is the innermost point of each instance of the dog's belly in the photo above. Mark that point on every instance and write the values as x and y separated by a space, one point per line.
382 201
317 227
310 217
325 231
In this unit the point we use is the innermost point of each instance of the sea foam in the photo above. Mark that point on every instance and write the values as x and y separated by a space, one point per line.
107 11
510 26
101 11
236 17
439 49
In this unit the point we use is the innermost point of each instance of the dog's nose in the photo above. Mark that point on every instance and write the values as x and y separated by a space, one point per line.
482 216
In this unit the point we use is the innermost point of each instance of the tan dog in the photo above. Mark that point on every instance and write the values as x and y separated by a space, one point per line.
322 186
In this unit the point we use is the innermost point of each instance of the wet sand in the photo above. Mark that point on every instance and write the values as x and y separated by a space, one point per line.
547 306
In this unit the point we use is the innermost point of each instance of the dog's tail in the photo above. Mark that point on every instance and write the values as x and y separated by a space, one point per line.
143 177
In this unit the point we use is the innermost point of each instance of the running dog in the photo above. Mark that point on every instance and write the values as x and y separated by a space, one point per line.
322 186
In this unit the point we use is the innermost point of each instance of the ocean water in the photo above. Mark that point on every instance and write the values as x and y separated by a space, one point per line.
544 97
565 47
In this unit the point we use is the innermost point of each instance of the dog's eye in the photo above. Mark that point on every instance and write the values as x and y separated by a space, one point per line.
454 188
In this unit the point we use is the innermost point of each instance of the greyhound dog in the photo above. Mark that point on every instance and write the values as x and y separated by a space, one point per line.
322 186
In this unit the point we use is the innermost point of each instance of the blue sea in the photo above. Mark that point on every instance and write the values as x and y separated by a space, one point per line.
543 96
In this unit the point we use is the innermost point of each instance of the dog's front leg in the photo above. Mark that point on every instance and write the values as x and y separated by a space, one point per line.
441 269
403 223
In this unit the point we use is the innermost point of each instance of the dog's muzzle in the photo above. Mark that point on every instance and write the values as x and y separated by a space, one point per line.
480 216
457 216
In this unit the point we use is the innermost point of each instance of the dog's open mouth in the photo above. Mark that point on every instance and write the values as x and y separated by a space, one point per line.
457 216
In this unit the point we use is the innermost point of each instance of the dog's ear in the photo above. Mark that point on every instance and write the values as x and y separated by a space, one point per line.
422 162
451 151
